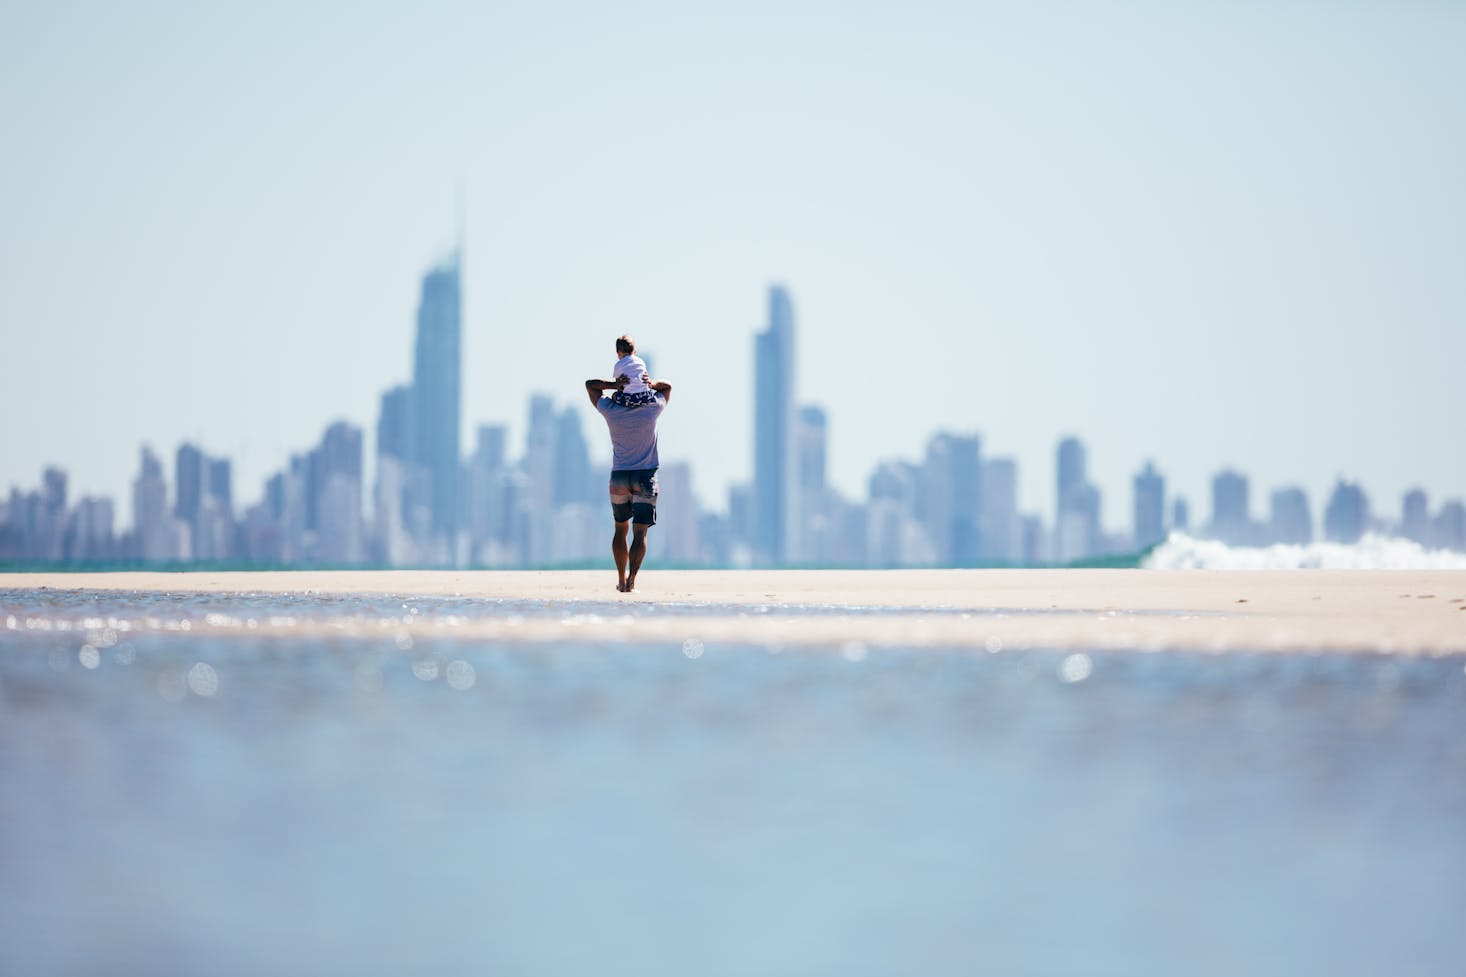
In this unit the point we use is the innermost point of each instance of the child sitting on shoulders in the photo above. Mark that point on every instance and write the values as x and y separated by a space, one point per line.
636 393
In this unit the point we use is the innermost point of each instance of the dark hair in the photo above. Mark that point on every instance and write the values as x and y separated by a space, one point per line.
625 345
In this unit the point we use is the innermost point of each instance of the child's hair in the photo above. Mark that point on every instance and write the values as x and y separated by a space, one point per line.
625 345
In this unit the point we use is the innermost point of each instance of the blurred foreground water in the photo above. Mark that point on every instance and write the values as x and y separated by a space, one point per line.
212 800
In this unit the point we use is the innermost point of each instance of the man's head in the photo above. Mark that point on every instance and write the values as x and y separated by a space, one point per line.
625 346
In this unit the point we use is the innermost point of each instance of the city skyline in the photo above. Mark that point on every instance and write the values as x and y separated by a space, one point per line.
433 505
1186 235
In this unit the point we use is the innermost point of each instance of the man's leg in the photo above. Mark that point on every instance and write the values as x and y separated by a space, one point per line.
638 550
618 550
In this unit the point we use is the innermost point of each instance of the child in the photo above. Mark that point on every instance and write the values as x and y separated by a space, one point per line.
632 367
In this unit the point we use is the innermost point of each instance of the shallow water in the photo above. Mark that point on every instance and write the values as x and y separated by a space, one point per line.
214 801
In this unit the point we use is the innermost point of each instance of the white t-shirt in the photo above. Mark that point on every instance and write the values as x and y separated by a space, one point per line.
631 367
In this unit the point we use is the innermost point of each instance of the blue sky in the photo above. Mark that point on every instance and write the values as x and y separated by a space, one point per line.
1209 233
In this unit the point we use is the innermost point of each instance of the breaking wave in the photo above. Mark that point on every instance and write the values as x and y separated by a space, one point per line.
1373 552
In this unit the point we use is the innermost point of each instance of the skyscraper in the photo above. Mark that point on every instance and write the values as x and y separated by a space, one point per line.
1077 515
188 482
1231 518
436 378
1289 520
153 539
1347 514
1150 507
1415 517
999 539
395 424
810 530
1070 474
773 414
337 502
950 491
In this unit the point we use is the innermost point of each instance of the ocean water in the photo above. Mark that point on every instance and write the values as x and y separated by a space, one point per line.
1373 552
303 798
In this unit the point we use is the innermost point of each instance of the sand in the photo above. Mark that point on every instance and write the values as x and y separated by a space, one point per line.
1399 611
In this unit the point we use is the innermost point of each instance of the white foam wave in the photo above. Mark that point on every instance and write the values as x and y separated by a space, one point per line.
1373 552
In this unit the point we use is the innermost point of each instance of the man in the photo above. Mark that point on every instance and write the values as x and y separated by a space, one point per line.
633 469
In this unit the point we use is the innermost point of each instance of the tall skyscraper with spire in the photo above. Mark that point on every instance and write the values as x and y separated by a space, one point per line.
436 398
773 418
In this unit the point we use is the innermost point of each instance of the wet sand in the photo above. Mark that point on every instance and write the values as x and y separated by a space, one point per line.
1291 610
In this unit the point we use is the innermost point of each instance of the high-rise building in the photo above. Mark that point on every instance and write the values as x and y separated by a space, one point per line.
1150 507
1180 514
151 529
188 482
1078 536
1347 514
677 514
436 377
395 423
1289 520
950 492
1077 533
811 523
485 493
1415 517
337 465
91 538
1231 517
572 480
1070 473
773 415
1450 526
999 530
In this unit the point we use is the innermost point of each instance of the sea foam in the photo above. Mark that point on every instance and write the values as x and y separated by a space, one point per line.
1373 552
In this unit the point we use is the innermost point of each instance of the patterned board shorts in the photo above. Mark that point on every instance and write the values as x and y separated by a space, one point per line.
639 399
634 496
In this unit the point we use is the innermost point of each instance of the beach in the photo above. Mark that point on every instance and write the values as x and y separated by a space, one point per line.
729 773
1393 611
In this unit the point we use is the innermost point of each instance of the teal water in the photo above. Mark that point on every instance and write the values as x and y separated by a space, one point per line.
225 803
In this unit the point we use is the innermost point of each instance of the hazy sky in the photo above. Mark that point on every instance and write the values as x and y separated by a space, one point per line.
1209 233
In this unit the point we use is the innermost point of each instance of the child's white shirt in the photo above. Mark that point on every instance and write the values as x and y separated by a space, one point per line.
631 367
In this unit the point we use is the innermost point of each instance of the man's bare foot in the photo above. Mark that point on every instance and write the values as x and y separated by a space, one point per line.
630 584
621 586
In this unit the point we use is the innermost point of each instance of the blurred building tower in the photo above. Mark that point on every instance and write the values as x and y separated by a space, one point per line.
572 480
336 465
1033 541
1231 516
1150 507
773 414
50 517
1180 515
1450 526
741 529
485 469
188 482
950 497
90 539
1289 520
894 535
1415 517
1077 516
436 376
1078 537
999 539
811 525
677 515
1347 514
152 528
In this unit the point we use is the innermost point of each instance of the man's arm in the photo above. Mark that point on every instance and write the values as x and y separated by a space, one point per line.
662 387
594 388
